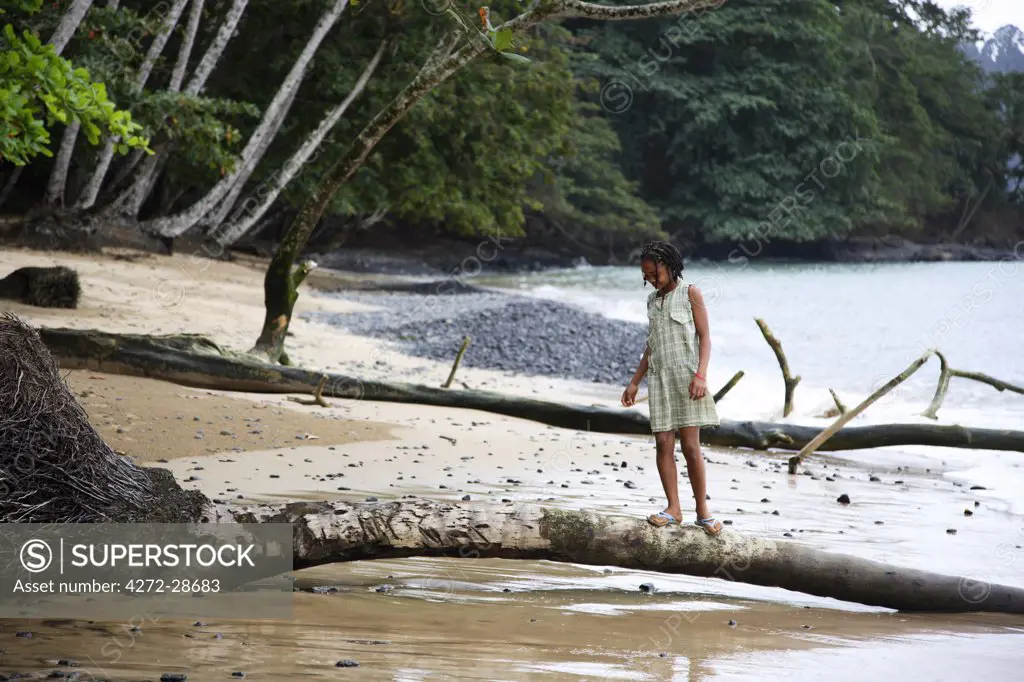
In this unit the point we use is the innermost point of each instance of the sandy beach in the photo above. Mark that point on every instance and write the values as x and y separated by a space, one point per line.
488 619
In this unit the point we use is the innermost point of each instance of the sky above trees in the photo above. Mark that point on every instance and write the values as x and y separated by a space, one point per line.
990 14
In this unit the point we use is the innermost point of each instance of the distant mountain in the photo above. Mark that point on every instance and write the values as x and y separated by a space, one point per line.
1002 53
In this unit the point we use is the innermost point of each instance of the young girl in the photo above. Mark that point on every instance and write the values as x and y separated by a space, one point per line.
676 358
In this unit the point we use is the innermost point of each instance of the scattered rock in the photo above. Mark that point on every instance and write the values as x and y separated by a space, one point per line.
843 499
951 531
346 663
647 588
324 589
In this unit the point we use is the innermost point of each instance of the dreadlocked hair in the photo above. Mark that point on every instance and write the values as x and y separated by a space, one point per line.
664 253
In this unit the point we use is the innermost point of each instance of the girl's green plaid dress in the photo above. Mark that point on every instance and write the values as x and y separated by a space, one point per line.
675 355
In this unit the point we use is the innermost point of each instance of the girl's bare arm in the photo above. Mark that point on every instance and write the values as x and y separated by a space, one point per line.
641 370
700 321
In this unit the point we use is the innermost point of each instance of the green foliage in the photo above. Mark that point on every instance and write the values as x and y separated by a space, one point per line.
733 116
795 119
39 89
469 150
1005 99
739 122
201 127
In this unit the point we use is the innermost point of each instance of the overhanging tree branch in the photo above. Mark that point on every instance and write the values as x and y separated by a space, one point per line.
575 9
279 296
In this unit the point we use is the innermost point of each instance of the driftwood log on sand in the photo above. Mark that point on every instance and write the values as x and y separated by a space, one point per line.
192 360
328 532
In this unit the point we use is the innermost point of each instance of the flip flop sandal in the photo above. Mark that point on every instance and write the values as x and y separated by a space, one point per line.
710 525
661 519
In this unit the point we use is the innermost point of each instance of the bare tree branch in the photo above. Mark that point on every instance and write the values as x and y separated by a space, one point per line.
575 9
946 373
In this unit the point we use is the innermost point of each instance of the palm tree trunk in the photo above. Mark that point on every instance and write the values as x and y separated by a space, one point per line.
92 187
185 52
217 215
61 37
213 54
238 228
59 175
173 226
69 24
132 199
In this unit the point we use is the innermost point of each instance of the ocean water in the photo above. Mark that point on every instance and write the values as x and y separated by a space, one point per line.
850 328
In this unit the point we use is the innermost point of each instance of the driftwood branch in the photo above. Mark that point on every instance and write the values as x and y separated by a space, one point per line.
193 360
789 379
728 386
839 403
946 373
455 365
839 408
318 395
329 532
808 449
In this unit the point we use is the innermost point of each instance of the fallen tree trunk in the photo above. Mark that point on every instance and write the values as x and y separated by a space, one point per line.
193 360
329 532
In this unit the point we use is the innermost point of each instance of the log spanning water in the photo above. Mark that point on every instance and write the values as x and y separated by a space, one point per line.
329 532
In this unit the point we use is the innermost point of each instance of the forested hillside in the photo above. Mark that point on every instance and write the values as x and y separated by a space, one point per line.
795 121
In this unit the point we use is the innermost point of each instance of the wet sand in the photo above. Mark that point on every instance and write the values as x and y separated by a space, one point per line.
553 626
448 619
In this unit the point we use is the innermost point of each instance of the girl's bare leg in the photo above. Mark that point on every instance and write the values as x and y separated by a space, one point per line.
666 442
690 438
